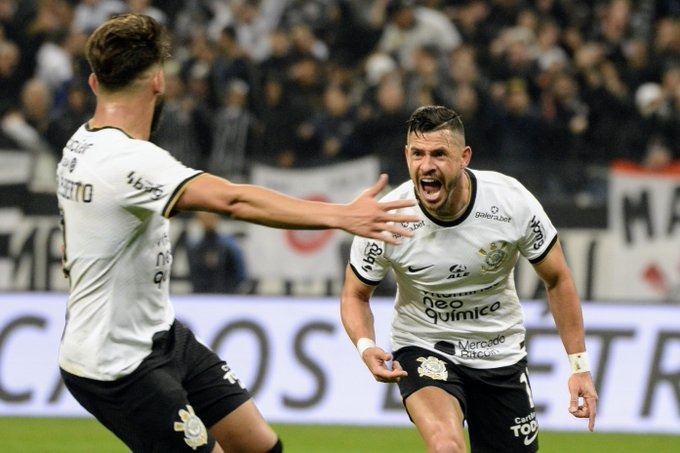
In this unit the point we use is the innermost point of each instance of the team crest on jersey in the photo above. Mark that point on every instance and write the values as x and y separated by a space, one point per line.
195 433
433 368
494 256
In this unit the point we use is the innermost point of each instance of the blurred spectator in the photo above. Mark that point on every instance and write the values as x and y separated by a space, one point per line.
36 107
198 90
457 53
280 57
231 63
427 83
471 19
146 7
10 78
648 143
216 262
348 36
480 117
275 139
56 61
328 132
380 129
520 135
306 44
409 27
180 126
233 130
90 14
197 65
253 21
17 131
563 149
76 112
303 91
513 56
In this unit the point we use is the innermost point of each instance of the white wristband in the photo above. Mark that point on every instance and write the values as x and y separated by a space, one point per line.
579 362
363 344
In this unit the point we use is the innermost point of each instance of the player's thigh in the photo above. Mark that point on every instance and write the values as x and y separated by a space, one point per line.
148 411
501 414
244 430
438 418
227 408
434 397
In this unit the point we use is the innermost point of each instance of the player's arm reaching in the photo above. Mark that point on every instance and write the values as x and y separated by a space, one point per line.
357 318
566 310
364 216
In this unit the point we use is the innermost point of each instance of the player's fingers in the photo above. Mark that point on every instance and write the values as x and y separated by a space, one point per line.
401 218
573 405
591 404
378 186
397 204
389 376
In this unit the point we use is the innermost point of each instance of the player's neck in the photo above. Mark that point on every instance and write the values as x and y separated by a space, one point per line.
134 118
466 195
461 203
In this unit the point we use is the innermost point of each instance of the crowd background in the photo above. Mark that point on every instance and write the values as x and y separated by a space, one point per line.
550 91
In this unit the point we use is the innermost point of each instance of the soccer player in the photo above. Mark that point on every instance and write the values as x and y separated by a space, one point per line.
457 332
123 355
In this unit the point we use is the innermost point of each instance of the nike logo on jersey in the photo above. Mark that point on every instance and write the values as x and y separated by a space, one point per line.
528 440
418 269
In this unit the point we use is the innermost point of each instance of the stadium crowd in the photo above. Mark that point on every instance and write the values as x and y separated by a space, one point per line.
551 91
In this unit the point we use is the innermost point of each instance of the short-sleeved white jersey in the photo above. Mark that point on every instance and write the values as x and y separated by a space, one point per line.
455 284
115 195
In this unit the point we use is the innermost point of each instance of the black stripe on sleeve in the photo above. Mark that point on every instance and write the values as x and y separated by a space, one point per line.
363 280
544 254
168 211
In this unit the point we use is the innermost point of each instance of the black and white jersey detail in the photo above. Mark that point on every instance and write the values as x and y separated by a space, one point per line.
115 194
455 284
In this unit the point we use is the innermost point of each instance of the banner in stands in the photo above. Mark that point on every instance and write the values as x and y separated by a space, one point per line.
306 253
294 356
644 249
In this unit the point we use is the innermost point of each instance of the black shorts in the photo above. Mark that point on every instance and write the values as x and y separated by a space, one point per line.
165 405
497 403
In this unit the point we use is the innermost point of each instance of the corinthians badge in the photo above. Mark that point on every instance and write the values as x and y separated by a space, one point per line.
433 368
195 433
494 257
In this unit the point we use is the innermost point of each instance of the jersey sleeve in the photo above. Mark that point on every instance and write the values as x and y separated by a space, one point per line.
367 260
538 234
151 179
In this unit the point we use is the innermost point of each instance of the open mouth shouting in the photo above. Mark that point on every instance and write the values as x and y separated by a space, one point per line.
430 189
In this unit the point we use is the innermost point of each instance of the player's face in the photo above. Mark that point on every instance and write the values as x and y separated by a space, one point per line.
436 163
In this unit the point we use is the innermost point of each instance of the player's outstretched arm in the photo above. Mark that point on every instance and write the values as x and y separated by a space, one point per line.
364 216
566 310
357 318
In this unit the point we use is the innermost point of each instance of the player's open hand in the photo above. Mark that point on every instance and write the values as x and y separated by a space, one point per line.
371 219
583 398
377 361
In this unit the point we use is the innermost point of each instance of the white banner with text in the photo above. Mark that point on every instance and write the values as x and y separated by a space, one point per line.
294 356
644 220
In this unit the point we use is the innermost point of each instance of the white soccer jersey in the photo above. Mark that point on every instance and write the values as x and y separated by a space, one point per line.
455 284
115 194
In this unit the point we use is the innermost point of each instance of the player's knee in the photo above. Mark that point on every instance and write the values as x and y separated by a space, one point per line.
445 444
277 448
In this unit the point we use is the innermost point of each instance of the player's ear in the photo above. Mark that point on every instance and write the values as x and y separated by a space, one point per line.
467 155
93 83
158 82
